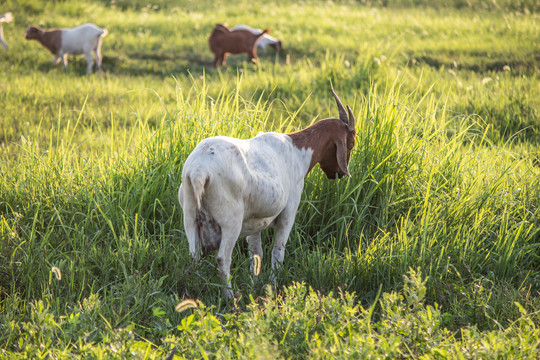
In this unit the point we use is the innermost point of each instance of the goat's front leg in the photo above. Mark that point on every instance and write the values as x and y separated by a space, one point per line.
217 60
56 59
64 60
229 236
283 228
255 248
224 59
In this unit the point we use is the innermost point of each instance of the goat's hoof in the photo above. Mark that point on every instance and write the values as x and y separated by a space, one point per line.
228 294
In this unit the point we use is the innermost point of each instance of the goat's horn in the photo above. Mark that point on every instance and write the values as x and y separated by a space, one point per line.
342 112
351 119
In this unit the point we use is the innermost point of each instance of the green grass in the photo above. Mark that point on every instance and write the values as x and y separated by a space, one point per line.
445 180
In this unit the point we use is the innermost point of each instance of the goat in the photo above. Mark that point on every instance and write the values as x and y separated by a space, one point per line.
223 42
266 40
7 17
61 42
233 188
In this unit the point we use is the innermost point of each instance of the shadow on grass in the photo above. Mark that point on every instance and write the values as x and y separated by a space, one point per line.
163 63
479 63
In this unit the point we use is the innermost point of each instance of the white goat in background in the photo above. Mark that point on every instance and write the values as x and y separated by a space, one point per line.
7 17
233 188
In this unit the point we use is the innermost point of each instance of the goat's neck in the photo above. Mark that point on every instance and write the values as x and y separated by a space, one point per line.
316 138
52 40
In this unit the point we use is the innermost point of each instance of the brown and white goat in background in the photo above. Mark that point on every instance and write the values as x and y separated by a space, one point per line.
223 42
233 188
83 39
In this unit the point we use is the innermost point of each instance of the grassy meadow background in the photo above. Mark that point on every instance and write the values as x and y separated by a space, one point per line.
431 248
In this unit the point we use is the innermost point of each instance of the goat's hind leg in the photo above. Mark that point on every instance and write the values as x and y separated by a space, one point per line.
252 56
190 225
192 236
230 234
89 62
99 57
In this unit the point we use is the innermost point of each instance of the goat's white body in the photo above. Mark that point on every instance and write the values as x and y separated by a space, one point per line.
264 41
82 40
246 186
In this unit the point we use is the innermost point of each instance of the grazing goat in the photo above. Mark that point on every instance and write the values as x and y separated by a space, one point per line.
61 42
223 42
265 41
7 17
233 188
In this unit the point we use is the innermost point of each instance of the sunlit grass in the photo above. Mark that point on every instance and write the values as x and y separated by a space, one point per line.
444 179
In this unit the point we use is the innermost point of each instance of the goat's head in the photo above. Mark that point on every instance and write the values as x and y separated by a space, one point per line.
335 160
32 32
277 46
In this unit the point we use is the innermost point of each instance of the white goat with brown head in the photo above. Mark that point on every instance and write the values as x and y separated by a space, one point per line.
83 39
233 188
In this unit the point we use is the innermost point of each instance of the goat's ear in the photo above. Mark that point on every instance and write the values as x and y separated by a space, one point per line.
341 157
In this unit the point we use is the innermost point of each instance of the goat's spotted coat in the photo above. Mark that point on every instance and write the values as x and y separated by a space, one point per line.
233 188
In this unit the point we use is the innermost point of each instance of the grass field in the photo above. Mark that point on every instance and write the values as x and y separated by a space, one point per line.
431 248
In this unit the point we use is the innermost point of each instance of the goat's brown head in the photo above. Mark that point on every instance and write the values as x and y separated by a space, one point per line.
331 141
337 154
32 32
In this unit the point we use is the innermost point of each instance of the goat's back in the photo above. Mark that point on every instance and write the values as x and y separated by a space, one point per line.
252 177
234 42
82 38
266 39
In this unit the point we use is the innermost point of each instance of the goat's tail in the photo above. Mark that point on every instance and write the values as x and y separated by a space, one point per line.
198 183
265 31
104 33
